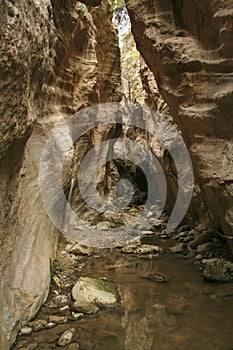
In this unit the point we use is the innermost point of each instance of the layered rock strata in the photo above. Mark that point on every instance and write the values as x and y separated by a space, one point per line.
49 70
188 48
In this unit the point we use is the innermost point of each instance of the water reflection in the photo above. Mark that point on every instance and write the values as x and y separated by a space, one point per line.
184 312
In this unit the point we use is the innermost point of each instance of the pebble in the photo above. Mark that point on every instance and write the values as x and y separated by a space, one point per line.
57 319
202 238
141 249
64 308
26 331
199 257
85 307
178 248
201 228
145 233
60 300
205 247
38 325
183 228
81 249
156 277
104 225
51 325
76 316
66 337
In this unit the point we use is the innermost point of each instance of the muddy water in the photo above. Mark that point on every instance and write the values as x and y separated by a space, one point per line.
183 313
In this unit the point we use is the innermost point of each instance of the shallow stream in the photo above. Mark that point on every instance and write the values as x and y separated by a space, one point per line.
182 313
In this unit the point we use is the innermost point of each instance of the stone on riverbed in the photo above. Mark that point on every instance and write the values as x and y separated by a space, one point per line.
58 319
81 249
155 277
141 249
85 307
98 291
218 270
60 300
26 331
66 337
38 325
178 248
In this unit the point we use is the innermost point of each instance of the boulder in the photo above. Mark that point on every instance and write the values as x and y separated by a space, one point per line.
218 270
98 291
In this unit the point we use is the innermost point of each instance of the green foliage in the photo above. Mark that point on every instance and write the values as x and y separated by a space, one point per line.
118 4
120 13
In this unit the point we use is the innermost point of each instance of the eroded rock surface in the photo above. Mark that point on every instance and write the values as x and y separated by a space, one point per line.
49 70
192 63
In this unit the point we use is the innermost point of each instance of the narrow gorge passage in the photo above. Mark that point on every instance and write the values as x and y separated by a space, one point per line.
116 175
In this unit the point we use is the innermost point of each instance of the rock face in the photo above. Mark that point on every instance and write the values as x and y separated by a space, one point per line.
192 64
49 70
60 56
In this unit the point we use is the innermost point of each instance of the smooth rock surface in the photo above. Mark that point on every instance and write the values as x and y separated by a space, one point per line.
96 291
84 307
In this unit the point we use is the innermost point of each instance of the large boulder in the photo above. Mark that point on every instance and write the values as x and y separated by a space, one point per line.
99 291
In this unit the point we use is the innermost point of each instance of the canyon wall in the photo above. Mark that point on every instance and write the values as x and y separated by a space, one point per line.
58 56
50 67
188 47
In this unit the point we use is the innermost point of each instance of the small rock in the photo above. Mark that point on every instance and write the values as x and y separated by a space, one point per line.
218 270
178 248
205 248
64 308
51 325
26 331
156 277
38 325
76 316
199 257
56 281
181 235
60 300
186 239
104 225
84 307
145 233
98 291
183 228
141 249
81 249
202 238
201 228
159 224
58 319
67 337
